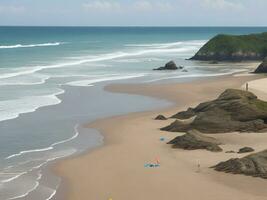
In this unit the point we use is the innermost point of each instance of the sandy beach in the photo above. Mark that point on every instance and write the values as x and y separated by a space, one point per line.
116 170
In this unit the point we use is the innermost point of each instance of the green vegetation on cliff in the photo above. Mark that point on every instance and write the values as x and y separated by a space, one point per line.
234 48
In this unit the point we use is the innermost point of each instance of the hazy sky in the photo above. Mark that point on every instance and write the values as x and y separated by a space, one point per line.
134 12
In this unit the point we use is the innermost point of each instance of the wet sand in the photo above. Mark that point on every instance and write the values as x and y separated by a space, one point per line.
116 170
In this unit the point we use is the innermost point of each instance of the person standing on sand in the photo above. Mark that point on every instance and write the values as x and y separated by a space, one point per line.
198 167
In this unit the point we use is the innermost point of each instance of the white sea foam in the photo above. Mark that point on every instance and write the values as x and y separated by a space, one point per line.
13 177
29 151
11 109
51 147
128 60
30 79
53 159
98 58
58 156
51 191
26 193
89 82
52 195
30 45
36 185
171 44
69 139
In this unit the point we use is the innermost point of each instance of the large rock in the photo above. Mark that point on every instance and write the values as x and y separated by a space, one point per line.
246 150
233 110
262 68
234 48
196 140
169 66
252 165
160 117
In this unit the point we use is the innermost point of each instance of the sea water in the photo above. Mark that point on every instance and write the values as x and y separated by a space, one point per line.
52 79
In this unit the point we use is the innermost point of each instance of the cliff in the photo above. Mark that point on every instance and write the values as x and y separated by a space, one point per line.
234 48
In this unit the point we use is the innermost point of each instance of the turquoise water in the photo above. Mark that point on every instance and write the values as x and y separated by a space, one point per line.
31 56
51 81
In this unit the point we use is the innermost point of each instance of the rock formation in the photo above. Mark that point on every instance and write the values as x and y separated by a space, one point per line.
169 66
160 117
233 110
246 150
234 48
230 151
262 68
251 165
195 140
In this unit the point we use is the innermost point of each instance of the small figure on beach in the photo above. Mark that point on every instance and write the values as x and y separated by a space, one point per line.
157 160
198 167
154 164
246 86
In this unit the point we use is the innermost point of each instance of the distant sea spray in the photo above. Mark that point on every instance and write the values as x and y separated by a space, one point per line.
30 45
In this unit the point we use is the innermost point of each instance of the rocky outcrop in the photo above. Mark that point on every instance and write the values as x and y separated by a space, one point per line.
231 151
160 117
234 48
262 68
193 140
233 110
246 150
169 66
252 165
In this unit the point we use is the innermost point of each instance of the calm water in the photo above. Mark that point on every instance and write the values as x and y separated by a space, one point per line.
51 82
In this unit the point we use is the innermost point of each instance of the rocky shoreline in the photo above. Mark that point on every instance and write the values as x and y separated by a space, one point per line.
193 140
234 110
252 165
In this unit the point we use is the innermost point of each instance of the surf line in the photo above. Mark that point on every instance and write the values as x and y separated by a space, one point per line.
48 148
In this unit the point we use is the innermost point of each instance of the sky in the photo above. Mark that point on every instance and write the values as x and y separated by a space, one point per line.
133 12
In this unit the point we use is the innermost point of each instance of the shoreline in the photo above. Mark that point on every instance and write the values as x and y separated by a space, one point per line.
66 168
57 103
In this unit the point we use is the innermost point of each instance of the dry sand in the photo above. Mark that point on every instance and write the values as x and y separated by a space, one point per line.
116 170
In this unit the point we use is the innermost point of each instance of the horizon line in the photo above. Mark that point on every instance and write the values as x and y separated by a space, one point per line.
137 26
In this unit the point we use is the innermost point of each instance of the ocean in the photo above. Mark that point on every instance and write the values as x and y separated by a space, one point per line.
51 83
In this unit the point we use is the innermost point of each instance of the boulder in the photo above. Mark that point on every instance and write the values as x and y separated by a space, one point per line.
246 150
160 117
193 140
251 165
234 110
262 68
168 66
